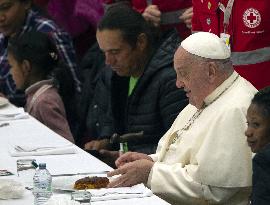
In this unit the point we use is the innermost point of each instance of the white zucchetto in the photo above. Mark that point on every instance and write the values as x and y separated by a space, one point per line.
206 45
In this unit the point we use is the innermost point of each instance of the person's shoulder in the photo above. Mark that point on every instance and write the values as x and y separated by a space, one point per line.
240 94
263 155
246 85
245 90
44 24
162 60
49 97
169 41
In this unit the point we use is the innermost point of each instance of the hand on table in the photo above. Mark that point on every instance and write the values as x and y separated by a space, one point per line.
97 144
186 17
131 173
153 14
130 157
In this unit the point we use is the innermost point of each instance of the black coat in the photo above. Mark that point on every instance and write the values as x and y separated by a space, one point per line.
152 107
261 177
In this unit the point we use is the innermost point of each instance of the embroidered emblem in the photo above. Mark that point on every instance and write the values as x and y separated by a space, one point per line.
209 5
208 21
252 18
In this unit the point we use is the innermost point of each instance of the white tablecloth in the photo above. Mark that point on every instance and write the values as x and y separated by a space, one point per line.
30 130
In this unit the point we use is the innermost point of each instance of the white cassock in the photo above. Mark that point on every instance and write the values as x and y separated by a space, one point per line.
210 162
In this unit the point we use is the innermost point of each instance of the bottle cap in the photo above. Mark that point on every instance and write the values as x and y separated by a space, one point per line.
121 147
42 165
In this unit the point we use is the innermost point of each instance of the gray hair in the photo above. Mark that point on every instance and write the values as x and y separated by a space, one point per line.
225 65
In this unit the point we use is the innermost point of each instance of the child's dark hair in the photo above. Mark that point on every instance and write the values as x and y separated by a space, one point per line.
40 51
262 99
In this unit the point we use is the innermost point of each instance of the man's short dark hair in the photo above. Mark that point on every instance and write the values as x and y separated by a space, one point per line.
130 23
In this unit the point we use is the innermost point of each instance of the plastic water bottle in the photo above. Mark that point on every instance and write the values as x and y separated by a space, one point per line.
42 186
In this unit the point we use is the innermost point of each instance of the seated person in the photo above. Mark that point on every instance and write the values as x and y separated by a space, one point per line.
20 18
204 157
136 91
258 138
36 69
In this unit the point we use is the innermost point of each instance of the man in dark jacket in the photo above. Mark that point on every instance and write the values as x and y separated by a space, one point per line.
138 93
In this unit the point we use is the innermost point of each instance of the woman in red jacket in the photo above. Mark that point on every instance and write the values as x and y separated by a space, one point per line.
248 26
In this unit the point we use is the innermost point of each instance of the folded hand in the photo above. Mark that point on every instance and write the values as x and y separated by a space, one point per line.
186 17
131 173
153 14
130 157
97 144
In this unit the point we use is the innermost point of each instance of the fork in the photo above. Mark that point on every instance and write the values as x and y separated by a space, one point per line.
20 149
109 193
4 124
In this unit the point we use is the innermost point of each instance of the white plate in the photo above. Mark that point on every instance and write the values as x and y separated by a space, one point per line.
3 101
64 183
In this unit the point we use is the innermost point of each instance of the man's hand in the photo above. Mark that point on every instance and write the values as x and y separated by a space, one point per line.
153 14
186 17
131 173
130 157
97 144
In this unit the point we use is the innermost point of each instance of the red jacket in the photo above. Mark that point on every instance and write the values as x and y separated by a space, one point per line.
249 28
170 9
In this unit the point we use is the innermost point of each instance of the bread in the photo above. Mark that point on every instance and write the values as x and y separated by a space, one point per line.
91 183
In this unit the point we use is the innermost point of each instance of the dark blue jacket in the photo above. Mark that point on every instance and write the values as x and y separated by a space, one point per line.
152 107
261 177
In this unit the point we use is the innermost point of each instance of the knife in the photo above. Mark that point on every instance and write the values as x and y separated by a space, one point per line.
81 173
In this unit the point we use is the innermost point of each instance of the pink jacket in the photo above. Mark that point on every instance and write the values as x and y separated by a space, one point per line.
48 108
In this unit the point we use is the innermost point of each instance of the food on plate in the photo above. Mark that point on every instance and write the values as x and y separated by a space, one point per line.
91 183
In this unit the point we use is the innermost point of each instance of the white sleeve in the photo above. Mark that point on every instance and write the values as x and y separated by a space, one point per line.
175 182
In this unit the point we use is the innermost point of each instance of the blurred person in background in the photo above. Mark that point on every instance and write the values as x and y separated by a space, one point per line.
245 27
164 13
78 17
16 18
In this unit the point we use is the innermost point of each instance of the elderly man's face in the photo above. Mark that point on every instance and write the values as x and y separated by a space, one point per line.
118 53
192 77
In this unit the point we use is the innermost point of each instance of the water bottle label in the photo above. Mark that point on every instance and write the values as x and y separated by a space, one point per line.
45 186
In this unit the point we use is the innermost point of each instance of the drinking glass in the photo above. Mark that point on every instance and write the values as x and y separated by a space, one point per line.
82 196
26 170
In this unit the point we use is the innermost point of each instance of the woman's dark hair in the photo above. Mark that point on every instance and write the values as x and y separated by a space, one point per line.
40 51
262 99
130 23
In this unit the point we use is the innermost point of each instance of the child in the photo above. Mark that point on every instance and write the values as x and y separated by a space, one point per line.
36 68
258 138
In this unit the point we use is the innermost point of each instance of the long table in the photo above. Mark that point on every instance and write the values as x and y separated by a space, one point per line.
32 130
